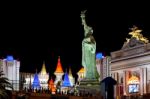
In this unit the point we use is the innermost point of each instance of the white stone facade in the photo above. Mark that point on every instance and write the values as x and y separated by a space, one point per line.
11 68
131 60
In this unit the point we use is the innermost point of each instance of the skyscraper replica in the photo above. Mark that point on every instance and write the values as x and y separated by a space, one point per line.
130 65
10 68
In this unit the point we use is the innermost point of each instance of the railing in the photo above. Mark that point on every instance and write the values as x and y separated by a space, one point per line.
50 96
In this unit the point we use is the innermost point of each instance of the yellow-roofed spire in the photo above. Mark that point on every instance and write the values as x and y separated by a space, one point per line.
43 70
81 70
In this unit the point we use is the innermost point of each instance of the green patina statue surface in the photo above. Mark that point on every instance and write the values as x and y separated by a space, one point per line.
88 51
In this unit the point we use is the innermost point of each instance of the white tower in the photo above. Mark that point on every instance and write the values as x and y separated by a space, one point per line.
10 68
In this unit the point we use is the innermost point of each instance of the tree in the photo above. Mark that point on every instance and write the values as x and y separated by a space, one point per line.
4 82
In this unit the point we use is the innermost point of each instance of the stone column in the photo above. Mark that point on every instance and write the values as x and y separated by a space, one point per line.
145 80
112 75
116 86
125 79
124 83
141 81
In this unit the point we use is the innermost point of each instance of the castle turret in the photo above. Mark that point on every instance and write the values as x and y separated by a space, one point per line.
80 74
58 72
71 78
43 77
43 70
36 82
66 81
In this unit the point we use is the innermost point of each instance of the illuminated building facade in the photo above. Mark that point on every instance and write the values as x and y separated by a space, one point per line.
130 66
103 65
28 78
10 68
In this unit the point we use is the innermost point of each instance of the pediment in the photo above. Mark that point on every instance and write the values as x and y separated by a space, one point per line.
133 42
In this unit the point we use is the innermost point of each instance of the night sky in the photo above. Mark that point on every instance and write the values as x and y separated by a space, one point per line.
37 32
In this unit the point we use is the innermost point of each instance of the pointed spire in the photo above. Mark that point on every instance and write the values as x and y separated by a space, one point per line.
71 77
66 82
36 81
59 66
70 72
81 70
43 70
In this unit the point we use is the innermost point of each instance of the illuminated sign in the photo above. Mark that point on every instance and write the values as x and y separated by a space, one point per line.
133 84
133 88
133 80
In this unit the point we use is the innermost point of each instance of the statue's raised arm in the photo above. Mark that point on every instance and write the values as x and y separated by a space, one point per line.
83 18
87 29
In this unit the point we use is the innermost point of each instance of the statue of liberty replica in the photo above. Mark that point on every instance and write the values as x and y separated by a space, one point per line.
88 51
90 81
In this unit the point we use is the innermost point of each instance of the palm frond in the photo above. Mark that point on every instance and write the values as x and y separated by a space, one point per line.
4 83
3 94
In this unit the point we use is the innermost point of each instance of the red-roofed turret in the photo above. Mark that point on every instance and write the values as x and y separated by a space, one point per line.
59 67
58 72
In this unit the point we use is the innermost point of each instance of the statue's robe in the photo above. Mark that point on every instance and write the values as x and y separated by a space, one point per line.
89 59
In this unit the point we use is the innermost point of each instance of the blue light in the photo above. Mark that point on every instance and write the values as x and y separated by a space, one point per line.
10 58
99 56
66 82
36 82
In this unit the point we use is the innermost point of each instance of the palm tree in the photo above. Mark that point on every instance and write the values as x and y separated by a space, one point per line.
3 84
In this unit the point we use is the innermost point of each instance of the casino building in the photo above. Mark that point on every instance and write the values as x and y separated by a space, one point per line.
10 68
130 65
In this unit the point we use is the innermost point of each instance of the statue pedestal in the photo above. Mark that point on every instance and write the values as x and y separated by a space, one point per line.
89 86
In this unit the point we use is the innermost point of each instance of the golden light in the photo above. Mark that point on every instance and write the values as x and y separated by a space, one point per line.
133 80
